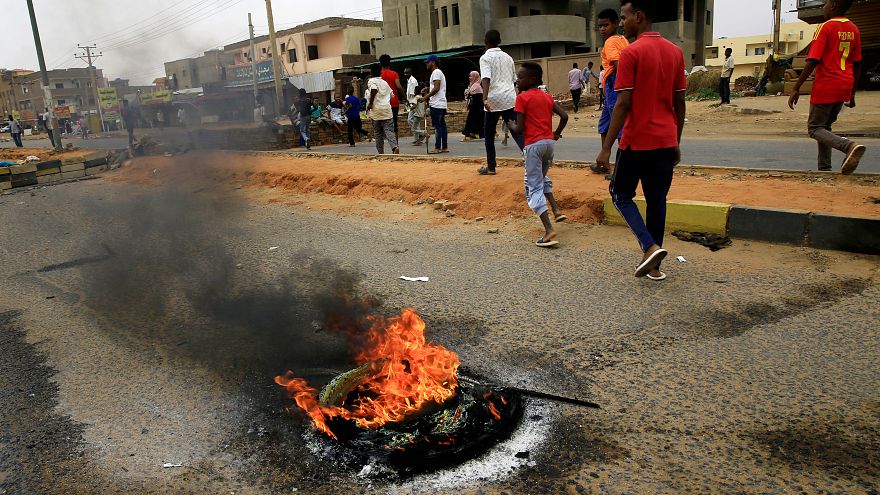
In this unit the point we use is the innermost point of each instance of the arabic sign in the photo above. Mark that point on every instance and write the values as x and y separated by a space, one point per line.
242 75
157 97
62 112
109 104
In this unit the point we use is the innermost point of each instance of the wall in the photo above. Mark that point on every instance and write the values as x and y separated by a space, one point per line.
746 62
556 69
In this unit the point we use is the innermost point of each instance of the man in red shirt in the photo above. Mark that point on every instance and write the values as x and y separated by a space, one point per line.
534 120
393 80
836 57
650 109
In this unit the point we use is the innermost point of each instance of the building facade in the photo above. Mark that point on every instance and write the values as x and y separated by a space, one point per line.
529 28
22 91
197 72
750 52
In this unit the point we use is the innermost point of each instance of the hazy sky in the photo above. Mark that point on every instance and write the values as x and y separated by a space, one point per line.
137 36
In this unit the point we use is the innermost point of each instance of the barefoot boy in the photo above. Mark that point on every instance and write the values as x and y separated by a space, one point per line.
534 119
836 56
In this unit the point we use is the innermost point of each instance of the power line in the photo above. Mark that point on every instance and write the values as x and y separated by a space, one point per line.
166 17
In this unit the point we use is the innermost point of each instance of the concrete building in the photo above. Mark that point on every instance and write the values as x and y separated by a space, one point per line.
530 29
12 90
129 92
750 52
320 46
69 88
198 72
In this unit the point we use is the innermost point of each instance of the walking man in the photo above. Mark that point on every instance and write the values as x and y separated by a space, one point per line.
128 120
575 85
437 102
836 57
393 80
650 109
499 95
353 115
304 107
379 109
50 131
15 130
589 78
726 74
609 22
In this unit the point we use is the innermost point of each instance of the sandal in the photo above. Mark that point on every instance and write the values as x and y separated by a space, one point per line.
598 170
651 262
560 218
545 243
657 279
485 171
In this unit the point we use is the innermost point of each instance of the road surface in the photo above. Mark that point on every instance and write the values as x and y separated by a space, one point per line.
143 325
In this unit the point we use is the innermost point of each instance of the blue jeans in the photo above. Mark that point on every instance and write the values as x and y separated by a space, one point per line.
438 120
653 168
305 128
491 123
538 158
16 138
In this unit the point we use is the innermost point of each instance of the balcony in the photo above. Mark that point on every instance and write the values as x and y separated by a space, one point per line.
811 11
542 29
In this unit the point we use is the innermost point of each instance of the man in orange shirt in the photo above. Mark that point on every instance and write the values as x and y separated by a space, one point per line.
609 22
836 57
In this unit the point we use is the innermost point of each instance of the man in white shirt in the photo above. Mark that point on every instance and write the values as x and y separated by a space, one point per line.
498 74
379 110
726 74
575 85
412 98
588 78
437 103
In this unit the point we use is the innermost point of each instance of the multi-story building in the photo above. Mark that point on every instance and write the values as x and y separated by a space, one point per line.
529 28
321 46
197 72
12 90
68 88
750 52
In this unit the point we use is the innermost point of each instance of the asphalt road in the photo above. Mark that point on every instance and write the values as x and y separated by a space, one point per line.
783 153
142 325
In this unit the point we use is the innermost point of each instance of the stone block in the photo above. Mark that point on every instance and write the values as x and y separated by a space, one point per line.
25 179
75 174
73 167
768 224
844 233
96 170
689 216
48 178
48 165
23 168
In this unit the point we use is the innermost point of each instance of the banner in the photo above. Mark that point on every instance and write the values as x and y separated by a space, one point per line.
62 112
242 75
156 97
109 104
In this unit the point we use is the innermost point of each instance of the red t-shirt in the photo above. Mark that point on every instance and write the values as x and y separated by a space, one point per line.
536 107
390 77
835 48
653 69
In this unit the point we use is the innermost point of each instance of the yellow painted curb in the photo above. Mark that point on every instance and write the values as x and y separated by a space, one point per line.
4 171
690 216
73 167
48 171
23 168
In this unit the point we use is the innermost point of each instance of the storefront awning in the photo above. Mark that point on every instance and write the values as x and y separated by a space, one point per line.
423 56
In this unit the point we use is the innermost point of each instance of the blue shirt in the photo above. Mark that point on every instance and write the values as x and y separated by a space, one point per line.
355 110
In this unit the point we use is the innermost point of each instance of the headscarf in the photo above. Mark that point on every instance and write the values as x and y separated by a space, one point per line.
476 87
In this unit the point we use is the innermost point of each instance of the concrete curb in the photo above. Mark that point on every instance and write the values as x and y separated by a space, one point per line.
853 234
690 216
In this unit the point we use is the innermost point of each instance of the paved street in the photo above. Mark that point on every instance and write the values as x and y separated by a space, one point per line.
142 325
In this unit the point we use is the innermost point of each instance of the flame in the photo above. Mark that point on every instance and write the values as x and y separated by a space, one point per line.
492 409
407 374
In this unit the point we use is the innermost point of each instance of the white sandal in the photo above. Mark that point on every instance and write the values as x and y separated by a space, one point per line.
657 279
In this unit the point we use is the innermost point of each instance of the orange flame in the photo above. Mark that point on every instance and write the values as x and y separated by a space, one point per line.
407 374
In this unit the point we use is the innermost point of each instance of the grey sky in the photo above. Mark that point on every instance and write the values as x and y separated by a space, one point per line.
137 36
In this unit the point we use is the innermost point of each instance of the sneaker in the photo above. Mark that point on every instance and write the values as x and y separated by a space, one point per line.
856 152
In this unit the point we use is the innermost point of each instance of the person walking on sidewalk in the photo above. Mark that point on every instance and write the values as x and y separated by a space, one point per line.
476 121
609 23
16 131
393 79
437 102
353 115
534 120
575 85
379 110
651 110
589 78
726 74
836 57
304 107
499 96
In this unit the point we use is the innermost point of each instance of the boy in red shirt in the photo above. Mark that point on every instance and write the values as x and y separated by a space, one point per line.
650 109
534 120
836 56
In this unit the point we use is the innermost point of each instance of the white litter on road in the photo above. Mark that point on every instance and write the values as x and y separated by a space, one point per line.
681 259
171 465
414 279
273 248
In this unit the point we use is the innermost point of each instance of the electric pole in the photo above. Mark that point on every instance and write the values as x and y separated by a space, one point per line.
47 94
777 25
253 59
88 57
276 62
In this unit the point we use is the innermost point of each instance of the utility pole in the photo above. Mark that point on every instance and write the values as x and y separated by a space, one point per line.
87 57
276 62
47 94
253 59
777 25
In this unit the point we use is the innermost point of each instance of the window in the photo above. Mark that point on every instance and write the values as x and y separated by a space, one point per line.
59 85
455 18
283 47
313 52
760 51
512 11
91 100
366 48
534 12
444 15
62 102
802 35
435 19
418 22
406 18
291 55
263 50
540 50
708 17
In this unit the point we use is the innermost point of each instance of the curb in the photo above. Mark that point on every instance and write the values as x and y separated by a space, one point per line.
799 228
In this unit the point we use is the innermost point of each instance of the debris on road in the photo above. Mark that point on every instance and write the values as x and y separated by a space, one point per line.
414 279
492 231
681 259
171 465
715 242
273 248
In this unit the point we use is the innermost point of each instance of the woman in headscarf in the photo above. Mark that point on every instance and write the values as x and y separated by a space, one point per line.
473 128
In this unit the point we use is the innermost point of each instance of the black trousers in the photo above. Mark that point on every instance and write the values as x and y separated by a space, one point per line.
491 119
355 124
395 111
724 90
576 99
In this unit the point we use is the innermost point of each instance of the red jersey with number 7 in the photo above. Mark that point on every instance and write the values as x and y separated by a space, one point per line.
835 48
